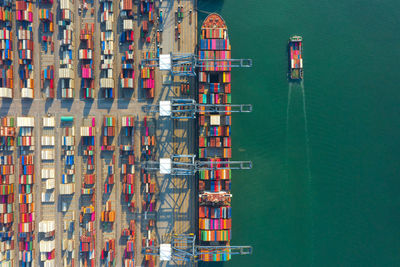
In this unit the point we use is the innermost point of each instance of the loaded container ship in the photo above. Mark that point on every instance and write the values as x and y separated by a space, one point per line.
214 142
295 57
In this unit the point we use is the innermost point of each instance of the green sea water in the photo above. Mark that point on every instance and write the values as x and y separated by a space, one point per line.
325 186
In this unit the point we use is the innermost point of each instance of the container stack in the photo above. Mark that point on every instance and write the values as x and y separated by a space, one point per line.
88 134
68 241
128 159
109 171
108 253
296 62
147 80
66 28
48 166
149 188
129 252
24 16
26 225
128 68
148 240
127 133
148 138
148 145
47 81
126 9
24 11
6 50
87 246
214 138
127 75
107 49
87 215
185 88
46 17
67 185
147 9
7 239
108 215
109 124
86 58
47 245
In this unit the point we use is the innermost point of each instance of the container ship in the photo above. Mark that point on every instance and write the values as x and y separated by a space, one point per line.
214 74
295 58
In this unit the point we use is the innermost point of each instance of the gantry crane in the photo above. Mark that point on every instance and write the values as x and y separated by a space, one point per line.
188 108
185 64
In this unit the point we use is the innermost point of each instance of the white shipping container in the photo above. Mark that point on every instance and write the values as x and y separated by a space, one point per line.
106 83
109 25
49 122
47 246
24 34
6 92
50 184
67 189
26 122
66 4
128 24
48 140
48 173
49 263
66 73
47 226
47 154
27 93
88 131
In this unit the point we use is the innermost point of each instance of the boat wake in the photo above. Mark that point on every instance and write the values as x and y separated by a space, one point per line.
292 90
310 187
306 131
296 123
288 108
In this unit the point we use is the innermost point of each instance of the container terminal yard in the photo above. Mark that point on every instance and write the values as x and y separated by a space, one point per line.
115 145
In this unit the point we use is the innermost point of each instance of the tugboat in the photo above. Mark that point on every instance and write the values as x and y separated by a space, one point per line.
295 49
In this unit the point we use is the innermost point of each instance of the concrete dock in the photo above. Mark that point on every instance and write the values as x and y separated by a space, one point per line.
175 199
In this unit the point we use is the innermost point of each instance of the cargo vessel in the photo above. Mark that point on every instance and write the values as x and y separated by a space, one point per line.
295 48
214 144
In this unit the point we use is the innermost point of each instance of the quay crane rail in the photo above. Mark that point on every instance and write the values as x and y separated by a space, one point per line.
188 108
184 64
